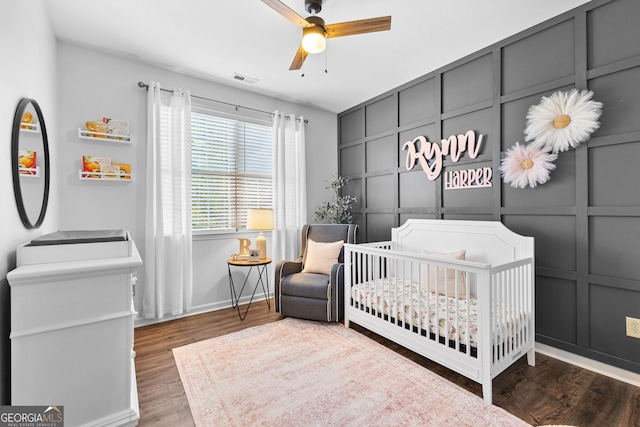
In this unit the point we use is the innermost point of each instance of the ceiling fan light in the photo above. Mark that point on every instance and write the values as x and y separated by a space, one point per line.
314 39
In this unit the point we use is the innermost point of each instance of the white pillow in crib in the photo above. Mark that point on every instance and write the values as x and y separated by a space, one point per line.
320 256
449 274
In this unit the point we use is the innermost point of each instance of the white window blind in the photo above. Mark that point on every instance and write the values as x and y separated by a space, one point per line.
230 171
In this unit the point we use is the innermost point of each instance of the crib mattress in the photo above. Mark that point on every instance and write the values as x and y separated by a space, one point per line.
399 299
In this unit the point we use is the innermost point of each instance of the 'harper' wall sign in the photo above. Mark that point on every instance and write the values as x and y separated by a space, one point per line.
431 155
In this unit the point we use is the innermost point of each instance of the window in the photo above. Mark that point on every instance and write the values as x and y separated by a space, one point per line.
230 170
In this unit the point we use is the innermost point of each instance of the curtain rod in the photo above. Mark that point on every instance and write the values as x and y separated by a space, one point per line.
145 86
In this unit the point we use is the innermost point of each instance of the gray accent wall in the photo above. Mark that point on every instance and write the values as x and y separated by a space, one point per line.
586 219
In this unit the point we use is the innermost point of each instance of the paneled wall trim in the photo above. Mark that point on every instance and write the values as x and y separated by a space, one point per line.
586 219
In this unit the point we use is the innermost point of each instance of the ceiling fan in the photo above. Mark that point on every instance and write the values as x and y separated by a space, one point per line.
315 32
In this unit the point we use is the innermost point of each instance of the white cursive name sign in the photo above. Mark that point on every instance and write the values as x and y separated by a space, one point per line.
431 155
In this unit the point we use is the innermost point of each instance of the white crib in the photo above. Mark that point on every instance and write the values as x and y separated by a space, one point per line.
475 316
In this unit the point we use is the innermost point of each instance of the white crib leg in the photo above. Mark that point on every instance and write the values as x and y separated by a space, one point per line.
531 357
346 322
487 391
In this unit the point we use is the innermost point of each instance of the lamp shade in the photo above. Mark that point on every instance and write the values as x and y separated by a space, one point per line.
314 39
260 219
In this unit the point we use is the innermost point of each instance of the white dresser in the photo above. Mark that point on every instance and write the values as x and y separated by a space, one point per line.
72 331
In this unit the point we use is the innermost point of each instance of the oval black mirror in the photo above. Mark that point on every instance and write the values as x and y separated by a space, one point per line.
30 163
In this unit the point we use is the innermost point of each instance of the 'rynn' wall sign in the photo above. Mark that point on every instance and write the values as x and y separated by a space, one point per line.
431 155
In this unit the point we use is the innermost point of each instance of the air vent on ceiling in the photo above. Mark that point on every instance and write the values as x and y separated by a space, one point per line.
244 79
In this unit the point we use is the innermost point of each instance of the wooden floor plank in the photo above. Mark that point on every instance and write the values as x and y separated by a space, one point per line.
552 392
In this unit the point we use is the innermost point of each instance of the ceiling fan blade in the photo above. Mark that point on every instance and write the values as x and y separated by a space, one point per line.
350 28
298 60
287 12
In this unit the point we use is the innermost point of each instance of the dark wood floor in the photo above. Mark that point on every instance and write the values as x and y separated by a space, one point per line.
552 392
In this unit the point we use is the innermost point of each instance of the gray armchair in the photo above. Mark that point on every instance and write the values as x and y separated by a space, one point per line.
313 296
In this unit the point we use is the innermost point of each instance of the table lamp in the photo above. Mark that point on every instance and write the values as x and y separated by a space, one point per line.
260 219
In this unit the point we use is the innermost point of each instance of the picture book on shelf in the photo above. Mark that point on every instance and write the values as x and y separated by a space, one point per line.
27 162
94 166
26 120
108 128
117 127
124 170
96 126
110 172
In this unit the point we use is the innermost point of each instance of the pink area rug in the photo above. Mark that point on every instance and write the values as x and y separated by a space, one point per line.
300 373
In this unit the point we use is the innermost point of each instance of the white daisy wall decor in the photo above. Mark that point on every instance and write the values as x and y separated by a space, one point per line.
527 165
563 120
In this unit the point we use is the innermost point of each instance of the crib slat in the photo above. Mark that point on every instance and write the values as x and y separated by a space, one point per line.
505 309
418 320
495 321
505 319
433 317
372 291
517 326
457 309
495 318
412 294
379 305
446 303
521 278
469 277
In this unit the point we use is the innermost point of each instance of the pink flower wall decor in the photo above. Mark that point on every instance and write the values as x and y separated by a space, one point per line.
525 165
563 120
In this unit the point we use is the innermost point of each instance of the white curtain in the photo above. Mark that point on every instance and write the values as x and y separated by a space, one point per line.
289 185
168 261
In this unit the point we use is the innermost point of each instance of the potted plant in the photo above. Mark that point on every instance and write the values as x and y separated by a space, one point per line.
338 210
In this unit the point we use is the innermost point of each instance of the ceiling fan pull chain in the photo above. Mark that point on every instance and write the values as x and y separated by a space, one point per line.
325 61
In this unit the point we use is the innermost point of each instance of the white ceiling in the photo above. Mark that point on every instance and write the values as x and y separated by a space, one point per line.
214 39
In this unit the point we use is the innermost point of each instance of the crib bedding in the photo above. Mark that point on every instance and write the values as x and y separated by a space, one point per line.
398 298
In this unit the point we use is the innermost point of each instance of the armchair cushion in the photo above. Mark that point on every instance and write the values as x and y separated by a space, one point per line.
306 285
320 256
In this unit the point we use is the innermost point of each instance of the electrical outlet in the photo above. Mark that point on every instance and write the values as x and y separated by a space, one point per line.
633 327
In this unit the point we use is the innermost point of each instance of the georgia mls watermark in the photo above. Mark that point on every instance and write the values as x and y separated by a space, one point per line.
31 416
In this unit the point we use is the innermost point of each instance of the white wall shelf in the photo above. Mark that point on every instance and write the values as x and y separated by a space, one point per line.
104 176
101 136
29 127
30 174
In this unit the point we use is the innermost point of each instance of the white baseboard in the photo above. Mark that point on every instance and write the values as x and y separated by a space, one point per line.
590 364
199 309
